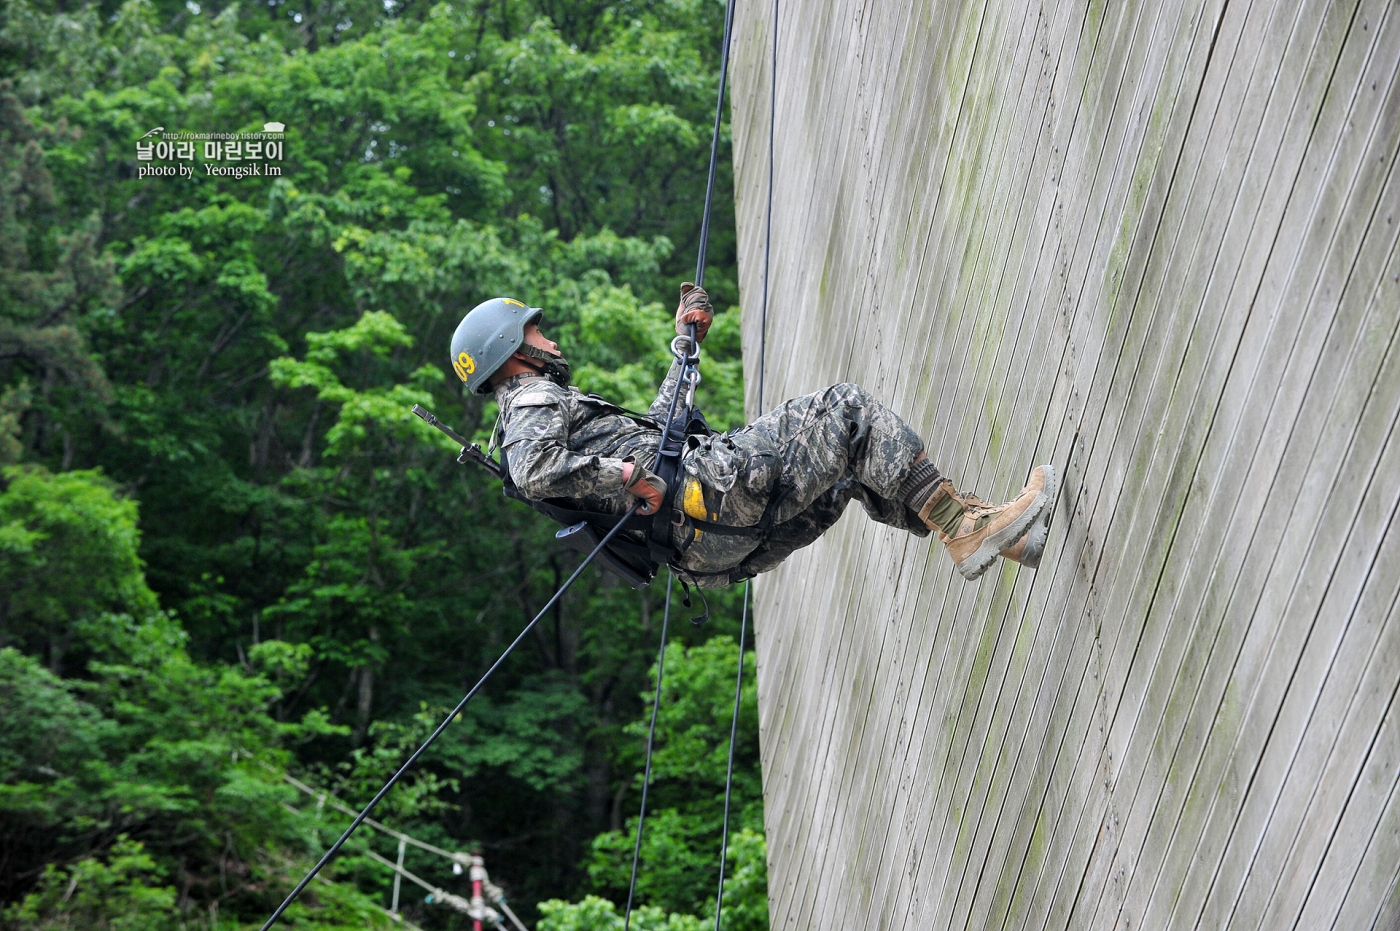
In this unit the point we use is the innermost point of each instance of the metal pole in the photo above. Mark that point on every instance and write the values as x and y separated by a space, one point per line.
478 903
398 877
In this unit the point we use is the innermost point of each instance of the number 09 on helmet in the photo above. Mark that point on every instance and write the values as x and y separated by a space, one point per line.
487 336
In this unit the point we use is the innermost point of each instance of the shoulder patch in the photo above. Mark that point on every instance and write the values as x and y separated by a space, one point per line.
538 395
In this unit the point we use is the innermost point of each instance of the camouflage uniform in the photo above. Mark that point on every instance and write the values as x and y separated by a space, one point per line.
792 471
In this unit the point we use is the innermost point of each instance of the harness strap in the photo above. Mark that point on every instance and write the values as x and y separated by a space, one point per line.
668 466
644 419
632 562
724 530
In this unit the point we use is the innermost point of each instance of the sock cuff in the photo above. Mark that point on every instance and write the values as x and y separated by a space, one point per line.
918 484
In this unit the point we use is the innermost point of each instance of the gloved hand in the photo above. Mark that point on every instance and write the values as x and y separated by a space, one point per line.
641 483
694 308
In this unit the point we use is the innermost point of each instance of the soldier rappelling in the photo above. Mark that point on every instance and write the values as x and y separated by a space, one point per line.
738 502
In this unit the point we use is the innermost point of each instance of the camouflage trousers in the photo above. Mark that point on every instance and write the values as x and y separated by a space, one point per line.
787 477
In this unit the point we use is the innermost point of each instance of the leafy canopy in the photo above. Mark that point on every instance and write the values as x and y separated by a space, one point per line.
313 578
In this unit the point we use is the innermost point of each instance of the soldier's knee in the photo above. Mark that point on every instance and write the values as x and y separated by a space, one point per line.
850 395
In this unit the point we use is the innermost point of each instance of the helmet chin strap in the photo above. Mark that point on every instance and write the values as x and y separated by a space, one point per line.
555 368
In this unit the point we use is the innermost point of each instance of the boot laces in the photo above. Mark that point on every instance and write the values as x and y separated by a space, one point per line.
972 503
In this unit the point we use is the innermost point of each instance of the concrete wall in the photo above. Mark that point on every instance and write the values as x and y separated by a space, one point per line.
1153 243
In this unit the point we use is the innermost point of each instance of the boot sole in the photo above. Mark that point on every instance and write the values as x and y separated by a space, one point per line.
1035 539
973 566
1036 536
1035 545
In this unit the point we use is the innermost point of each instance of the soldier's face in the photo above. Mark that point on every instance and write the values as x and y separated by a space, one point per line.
535 338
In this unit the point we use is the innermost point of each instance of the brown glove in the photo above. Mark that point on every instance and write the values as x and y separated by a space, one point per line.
694 308
640 483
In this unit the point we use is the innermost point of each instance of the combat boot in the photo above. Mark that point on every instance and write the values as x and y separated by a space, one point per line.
1027 550
976 532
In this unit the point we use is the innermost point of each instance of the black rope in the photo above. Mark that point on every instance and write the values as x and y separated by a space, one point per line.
666 616
651 743
714 146
359 819
768 222
762 367
733 738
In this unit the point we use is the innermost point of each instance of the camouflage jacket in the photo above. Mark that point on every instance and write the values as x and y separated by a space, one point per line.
562 443
748 497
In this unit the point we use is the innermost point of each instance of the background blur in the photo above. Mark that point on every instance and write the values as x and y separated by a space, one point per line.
227 552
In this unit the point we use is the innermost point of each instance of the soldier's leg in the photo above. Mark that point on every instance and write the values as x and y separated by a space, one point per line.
841 443
804 528
842 439
794 470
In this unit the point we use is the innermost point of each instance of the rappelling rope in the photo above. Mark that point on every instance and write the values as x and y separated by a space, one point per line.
693 350
714 145
393 780
762 358
651 742
733 739
768 221
738 685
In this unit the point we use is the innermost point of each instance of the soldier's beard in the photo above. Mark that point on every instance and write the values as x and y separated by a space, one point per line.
555 368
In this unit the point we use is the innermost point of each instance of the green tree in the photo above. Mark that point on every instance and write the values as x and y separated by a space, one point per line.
51 279
235 355
119 895
597 914
156 768
68 554
680 846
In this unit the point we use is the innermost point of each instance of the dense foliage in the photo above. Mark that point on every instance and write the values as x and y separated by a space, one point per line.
226 552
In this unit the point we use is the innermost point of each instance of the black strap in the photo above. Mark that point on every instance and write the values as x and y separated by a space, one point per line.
644 419
669 468
724 530
632 562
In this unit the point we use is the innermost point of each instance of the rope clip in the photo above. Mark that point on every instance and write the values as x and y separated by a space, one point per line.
686 352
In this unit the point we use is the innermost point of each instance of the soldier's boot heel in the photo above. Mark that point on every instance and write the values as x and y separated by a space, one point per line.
976 532
1028 550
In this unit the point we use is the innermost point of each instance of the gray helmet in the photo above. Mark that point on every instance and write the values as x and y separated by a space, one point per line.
487 336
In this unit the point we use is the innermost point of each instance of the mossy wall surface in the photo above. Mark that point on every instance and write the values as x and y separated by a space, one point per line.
1154 244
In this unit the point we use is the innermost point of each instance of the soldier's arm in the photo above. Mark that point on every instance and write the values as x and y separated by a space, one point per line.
662 404
541 463
693 317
